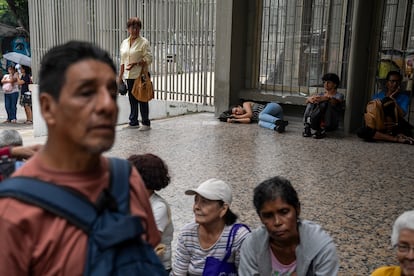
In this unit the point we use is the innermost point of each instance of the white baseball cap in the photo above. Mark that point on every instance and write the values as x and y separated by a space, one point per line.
213 189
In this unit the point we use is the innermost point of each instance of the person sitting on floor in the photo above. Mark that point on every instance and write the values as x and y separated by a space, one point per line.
285 244
402 239
384 116
323 109
12 152
268 115
154 172
209 233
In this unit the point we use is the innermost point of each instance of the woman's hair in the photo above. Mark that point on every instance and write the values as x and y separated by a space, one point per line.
26 69
134 21
393 73
11 67
229 217
234 106
57 60
331 77
404 221
152 169
273 188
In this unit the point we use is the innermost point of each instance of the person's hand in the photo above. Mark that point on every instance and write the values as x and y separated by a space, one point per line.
129 66
394 93
24 152
400 138
313 99
142 63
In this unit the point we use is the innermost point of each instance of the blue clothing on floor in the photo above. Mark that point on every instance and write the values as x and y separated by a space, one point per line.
402 99
269 115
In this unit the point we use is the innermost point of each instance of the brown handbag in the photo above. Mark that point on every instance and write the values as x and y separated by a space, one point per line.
143 90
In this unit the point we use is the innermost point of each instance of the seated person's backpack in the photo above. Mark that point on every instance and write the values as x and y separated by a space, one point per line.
378 110
115 246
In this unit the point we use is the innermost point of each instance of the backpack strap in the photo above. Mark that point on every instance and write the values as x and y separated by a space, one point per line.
55 199
232 236
119 183
65 202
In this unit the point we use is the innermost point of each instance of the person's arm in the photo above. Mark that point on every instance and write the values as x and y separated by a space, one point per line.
121 73
140 206
313 98
24 152
247 106
237 120
182 258
248 259
16 246
20 81
241 235
337 99
8 79
400 138
327 261
147 58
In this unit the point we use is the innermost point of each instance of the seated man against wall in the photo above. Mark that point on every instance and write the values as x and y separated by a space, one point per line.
384 116
323 109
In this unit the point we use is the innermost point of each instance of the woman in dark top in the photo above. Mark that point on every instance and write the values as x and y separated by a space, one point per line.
25 94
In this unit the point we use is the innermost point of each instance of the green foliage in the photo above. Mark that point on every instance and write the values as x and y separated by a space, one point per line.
6 17
15 13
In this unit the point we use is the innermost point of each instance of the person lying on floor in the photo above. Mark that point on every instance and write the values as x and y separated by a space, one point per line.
268 115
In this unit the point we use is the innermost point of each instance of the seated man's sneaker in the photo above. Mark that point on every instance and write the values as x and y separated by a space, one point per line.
307 131
319 134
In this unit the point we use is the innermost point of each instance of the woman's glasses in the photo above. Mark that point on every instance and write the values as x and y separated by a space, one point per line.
404 248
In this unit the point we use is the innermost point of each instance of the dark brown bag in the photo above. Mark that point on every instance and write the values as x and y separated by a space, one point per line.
143 90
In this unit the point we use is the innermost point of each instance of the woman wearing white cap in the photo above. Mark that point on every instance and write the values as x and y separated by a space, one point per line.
207 236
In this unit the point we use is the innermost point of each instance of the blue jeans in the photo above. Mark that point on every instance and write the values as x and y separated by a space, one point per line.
269 115
134 103
10 104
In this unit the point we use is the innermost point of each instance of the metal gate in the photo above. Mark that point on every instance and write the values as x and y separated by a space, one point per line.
181 34
302 40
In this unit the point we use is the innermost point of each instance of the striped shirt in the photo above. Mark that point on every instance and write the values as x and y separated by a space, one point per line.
190 257
256 109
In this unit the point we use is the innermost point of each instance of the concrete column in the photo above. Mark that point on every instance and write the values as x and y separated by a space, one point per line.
365 44
231 46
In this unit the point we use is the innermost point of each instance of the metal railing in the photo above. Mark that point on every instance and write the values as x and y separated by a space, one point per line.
181 34
302 40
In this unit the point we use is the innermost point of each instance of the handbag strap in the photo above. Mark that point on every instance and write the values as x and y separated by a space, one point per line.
232 236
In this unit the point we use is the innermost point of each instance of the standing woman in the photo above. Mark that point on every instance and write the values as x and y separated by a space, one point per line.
25 94
11 94
135 53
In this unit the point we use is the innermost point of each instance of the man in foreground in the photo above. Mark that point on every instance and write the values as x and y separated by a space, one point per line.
78 91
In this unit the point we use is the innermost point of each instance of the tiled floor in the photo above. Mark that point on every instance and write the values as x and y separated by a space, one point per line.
355 190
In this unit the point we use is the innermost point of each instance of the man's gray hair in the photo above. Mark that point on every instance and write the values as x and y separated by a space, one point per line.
10 137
